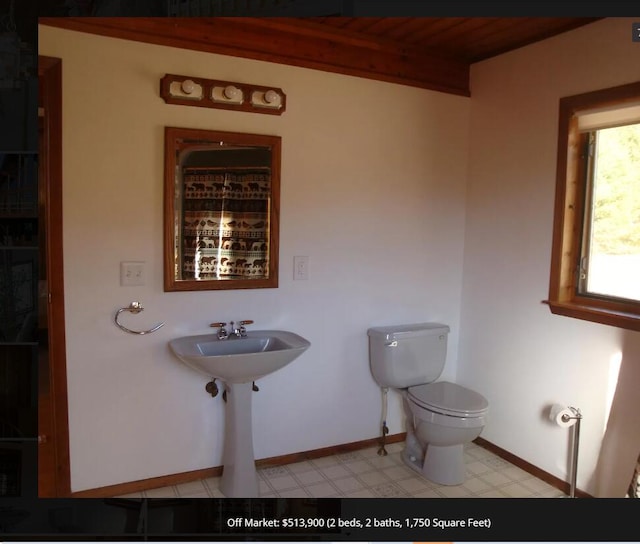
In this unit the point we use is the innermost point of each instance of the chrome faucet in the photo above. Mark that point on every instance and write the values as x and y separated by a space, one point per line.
238 332
241 331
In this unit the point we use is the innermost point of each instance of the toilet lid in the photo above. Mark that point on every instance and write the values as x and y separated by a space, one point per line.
449 399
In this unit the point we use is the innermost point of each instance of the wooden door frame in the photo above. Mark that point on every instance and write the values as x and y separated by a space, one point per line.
50 98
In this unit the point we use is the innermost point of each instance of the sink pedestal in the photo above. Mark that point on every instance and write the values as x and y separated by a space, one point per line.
239 476
238 362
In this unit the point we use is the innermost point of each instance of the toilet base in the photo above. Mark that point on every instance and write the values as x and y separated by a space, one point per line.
441 464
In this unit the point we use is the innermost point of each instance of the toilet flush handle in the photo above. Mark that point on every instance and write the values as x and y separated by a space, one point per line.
391 344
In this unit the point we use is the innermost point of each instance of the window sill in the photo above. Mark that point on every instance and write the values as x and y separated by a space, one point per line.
615 318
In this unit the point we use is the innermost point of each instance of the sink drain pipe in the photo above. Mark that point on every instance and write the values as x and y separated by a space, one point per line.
385 429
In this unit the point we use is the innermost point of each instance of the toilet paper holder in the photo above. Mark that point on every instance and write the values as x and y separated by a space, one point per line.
577 415
569 417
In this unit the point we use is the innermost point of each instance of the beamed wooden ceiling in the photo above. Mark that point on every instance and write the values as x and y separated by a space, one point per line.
429 52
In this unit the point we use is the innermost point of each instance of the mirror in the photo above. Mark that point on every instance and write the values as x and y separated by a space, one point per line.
221 202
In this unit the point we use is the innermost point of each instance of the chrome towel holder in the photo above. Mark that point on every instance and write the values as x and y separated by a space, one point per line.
135 308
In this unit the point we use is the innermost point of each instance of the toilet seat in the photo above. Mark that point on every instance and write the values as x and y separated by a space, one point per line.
449 399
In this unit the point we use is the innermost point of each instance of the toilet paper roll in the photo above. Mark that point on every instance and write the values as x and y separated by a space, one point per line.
562 416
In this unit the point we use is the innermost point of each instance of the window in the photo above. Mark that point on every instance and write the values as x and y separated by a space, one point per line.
595 263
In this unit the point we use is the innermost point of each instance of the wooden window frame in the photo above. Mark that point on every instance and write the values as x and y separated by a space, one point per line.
571 184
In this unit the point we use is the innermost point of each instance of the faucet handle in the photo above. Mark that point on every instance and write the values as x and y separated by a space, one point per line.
222 332
220 324
243 330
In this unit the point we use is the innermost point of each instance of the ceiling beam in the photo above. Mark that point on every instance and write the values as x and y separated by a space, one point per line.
290 41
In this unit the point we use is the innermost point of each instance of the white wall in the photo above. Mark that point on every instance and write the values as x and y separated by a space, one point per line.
512 349
373 191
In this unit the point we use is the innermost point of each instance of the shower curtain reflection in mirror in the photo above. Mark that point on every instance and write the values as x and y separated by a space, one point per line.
221 210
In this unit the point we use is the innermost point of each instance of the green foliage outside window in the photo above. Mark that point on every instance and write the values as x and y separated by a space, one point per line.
616 214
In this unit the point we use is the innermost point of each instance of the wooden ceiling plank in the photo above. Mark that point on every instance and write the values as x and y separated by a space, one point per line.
361 24
310 28
387 28
474 42
522 32
458 34
293 45
433 26
504 33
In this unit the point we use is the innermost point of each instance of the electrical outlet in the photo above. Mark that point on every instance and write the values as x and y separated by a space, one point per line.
301 268
132 273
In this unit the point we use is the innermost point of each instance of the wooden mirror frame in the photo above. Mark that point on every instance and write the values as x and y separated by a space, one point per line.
177 141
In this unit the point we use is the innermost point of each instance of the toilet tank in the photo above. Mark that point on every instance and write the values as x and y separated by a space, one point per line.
405 355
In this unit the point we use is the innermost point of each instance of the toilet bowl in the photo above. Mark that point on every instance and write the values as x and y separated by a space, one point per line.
441 416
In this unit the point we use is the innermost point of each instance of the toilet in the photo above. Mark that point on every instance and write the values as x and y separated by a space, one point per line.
440 416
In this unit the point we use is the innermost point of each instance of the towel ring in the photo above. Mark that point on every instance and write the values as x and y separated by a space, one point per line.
134 308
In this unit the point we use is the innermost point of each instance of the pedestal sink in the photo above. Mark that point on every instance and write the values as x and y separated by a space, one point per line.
239 361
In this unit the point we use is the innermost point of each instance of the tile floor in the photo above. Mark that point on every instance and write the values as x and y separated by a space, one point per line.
364 474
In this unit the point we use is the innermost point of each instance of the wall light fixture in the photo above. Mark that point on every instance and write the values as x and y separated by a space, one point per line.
229 95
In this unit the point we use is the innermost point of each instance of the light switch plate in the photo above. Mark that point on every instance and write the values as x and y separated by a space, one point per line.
301 267
132 273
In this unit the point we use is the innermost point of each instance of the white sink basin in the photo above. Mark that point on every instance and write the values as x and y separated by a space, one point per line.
239 360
